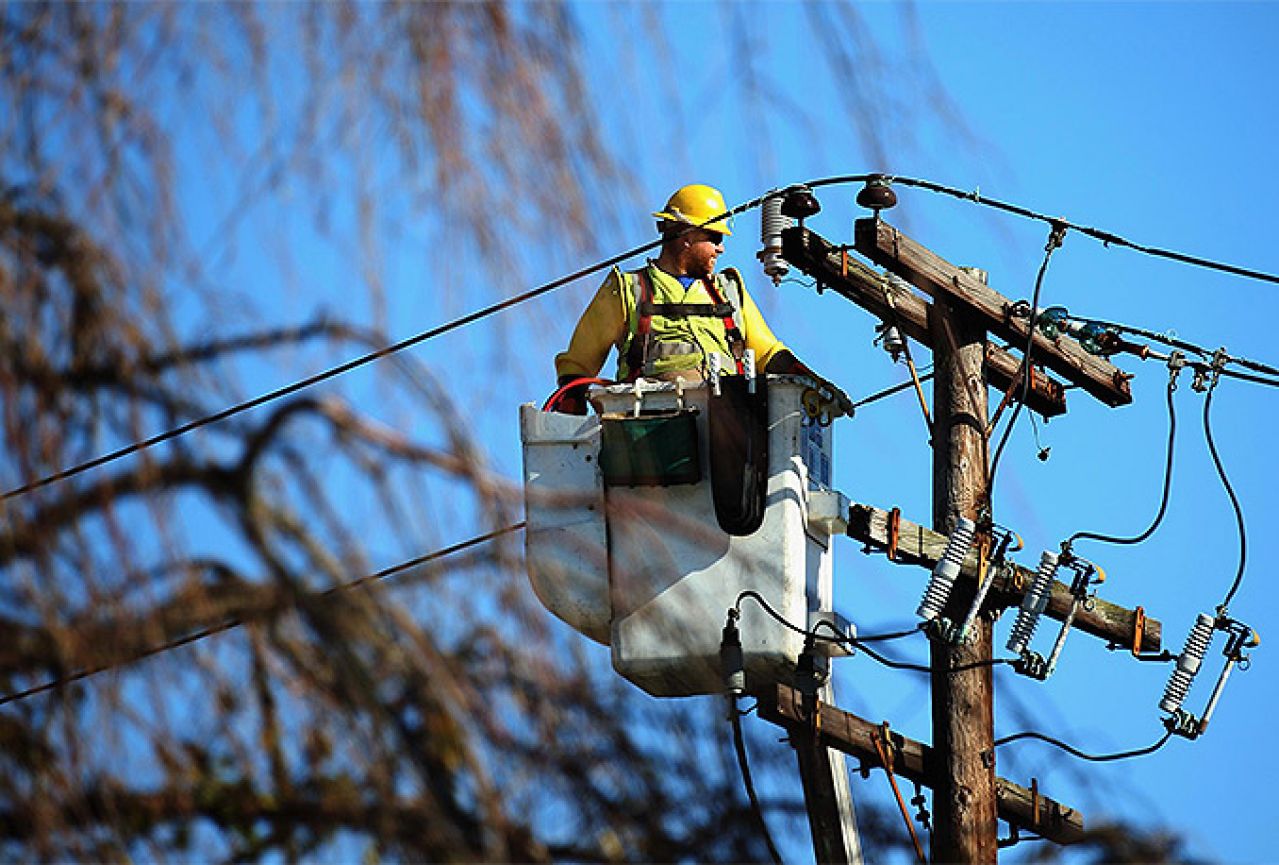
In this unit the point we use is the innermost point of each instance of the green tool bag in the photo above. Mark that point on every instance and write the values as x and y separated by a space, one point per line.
654 448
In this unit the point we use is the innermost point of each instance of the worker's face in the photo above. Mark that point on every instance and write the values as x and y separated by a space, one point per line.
702 248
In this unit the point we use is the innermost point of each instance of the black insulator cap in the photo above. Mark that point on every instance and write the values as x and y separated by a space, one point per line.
877 194
800 203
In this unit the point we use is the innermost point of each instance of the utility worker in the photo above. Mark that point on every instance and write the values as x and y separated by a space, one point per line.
667 318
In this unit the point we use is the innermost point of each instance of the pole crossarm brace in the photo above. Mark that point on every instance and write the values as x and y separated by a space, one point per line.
888 247
832 266
917 545
915 761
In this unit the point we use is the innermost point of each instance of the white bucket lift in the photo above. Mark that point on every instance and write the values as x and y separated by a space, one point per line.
646 568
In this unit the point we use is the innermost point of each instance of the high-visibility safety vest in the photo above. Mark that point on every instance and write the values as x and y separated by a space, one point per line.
672 329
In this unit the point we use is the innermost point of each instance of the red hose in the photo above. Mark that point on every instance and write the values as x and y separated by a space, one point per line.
555 398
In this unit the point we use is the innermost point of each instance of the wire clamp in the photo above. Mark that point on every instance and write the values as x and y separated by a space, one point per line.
1056 235
1176 363
1219 361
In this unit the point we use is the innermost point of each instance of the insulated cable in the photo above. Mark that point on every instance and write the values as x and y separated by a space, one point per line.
859 642
1055 238
325 375
889 391
1230 492
739 745
1106 238
1075 752
1058 224
1269 374
227 625
1163 501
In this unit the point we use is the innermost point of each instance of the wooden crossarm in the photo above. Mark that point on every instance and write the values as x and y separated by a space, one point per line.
836 269
920 546
888 247
917 762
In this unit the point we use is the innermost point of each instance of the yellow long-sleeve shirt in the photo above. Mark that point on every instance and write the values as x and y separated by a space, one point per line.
606 322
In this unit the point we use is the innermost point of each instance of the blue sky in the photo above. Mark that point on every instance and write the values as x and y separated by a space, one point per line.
1154 121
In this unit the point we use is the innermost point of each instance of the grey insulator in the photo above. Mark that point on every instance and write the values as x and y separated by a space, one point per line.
1033 604
772 223
1188 663
947 569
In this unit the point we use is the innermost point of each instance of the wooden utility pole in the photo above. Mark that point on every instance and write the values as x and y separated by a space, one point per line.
966 819
968 799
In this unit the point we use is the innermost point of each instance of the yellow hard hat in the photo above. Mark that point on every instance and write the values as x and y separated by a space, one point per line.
693 205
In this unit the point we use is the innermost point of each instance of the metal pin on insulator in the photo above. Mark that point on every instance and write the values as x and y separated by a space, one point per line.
947 569
712 371
772 223
748 369
1188 664
1033 604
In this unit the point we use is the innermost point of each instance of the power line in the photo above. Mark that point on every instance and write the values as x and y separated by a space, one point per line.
1055 237
1269 374
1058 224
1230 492
1107 238
210 631
1075 752
1167 486
889 391
743 764
327 374
860 642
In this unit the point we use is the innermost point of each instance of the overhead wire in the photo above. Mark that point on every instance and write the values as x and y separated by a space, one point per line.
235 622
1106 238
1167 484
1230 492
743 764
1075 752
889 391
325 375
858 642
841 638
1269 375
1055 238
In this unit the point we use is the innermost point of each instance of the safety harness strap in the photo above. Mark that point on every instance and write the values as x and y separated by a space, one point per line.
639 350
736 344
686 310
